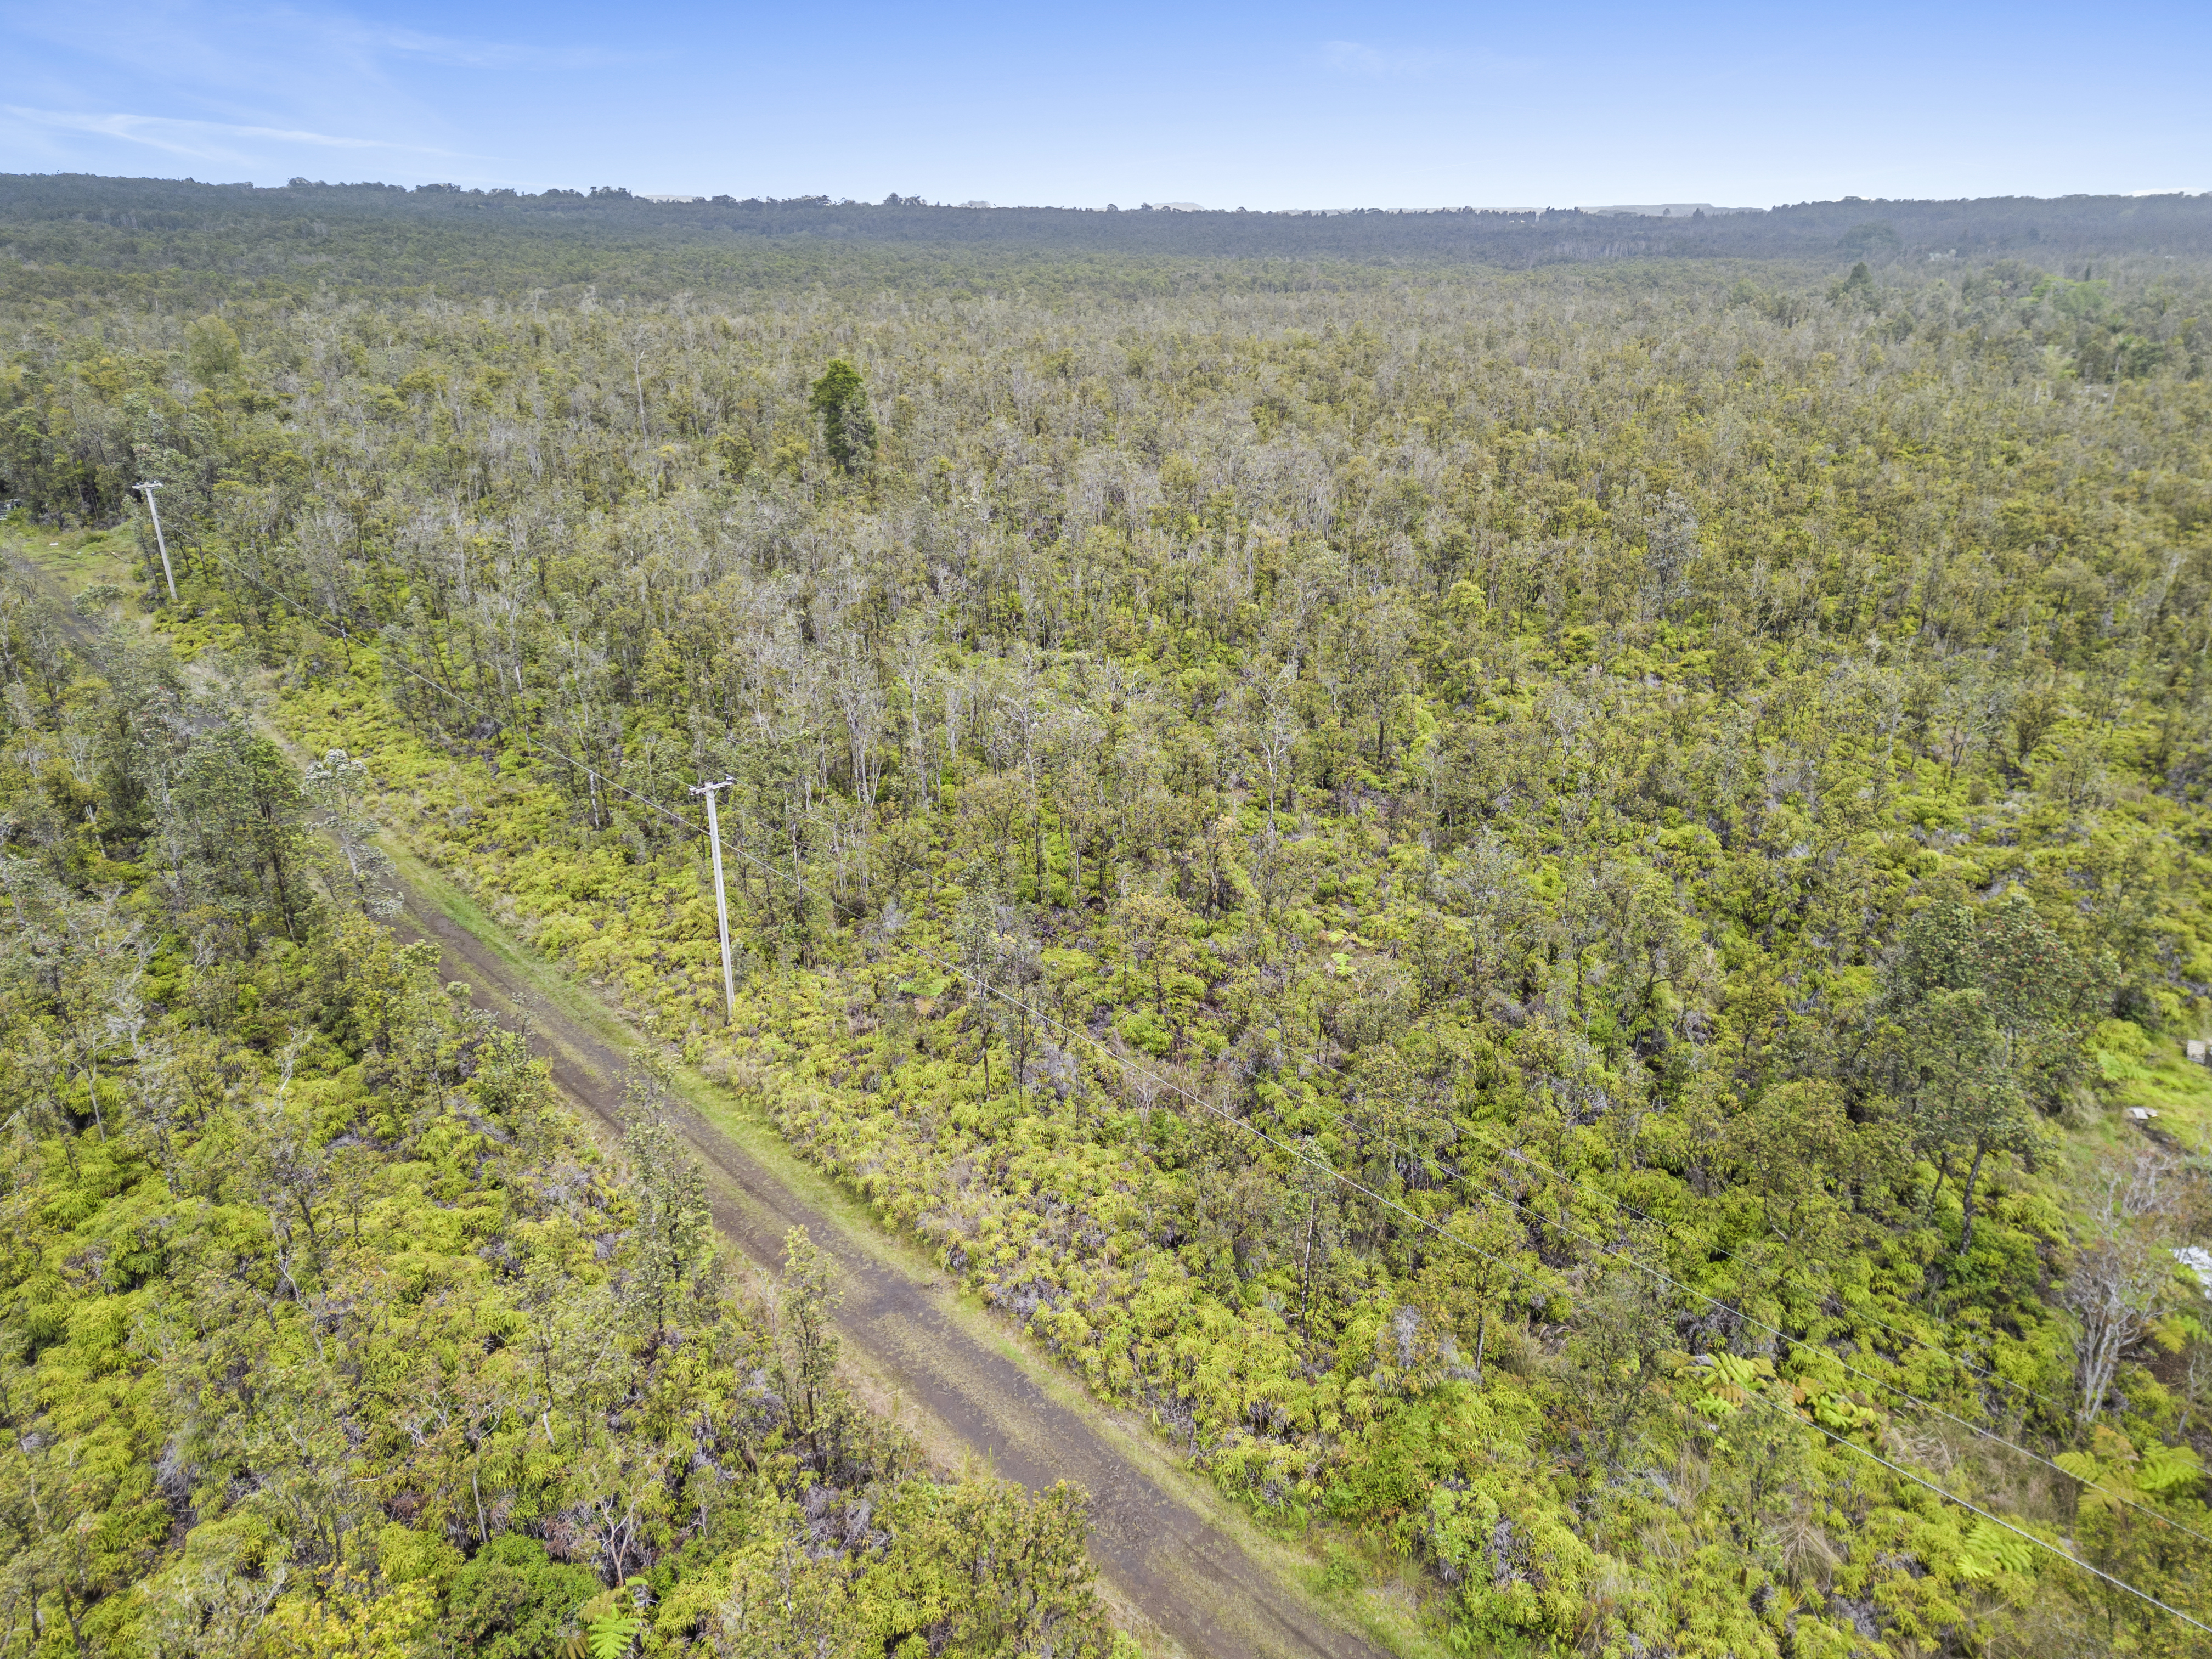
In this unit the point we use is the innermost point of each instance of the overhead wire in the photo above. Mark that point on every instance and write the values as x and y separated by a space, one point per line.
1718 1252
1870 1379
1618 1253
1236 1122
1873 1381
1823 1355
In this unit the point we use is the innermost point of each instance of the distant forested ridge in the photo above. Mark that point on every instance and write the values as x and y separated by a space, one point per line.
58 233
1546 904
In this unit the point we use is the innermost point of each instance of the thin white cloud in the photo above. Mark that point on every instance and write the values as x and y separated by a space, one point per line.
244 47
499 54
180 136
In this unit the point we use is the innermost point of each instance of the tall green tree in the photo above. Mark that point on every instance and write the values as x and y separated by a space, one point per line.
848 430
1987 1007
670 1250
239 803
806 1351
338 784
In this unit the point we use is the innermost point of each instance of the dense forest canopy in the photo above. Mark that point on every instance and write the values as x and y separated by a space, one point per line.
67 236
1527 905
328 1332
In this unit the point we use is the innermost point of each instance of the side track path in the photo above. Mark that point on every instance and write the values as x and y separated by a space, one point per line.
1168 1554
934 1350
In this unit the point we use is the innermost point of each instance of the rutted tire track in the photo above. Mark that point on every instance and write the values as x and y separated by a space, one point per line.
1161 1558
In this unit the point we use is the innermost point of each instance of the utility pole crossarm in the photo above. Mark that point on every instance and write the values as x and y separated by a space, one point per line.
721 898
149 488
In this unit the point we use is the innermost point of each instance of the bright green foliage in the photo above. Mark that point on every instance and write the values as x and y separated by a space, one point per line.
1990 1009
1310 841
238 801
611 1633
211 349
1990 1549
848 430
327 1332
511 1602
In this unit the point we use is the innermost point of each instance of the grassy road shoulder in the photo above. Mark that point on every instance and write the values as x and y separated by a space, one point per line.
1193 1569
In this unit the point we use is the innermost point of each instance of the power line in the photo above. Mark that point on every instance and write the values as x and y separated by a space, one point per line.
1781 1335
1975 1509
1422 1222
1870 1378
1450 1238
722 896
1905 1395
1339 1117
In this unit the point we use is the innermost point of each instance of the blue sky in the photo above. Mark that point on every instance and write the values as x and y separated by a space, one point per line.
1225 104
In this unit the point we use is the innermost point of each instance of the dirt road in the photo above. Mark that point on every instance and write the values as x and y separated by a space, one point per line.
929 1351
1173 1560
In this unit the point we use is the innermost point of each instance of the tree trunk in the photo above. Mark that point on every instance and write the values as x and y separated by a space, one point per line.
1967 1239
1305 1266
1942 1168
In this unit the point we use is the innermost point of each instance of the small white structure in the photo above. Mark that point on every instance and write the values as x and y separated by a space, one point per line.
2199 1261
2198 1049
2140 1114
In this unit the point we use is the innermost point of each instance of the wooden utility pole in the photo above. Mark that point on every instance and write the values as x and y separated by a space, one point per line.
166 575
722 898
